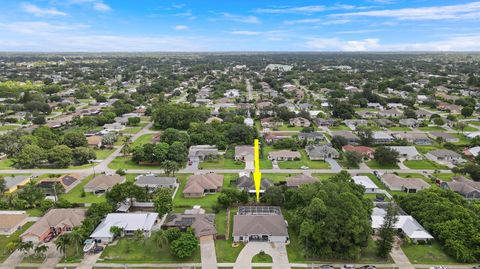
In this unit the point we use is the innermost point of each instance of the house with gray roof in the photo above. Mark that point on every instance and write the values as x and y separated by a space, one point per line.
444 136
444 156
298 180
351 138
411 123
267 225
202 152
408 185
321 152
407 152
245 182
467 188
311 137
153 182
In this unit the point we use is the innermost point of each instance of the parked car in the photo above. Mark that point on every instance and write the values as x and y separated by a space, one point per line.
98 249
326 266
348 266
438 267
368 267
476 267
304 167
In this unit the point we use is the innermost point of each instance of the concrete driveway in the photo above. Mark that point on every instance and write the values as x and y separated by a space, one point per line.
333 164
207 250
277 251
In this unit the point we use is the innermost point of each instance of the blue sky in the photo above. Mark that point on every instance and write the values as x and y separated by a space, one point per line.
247 25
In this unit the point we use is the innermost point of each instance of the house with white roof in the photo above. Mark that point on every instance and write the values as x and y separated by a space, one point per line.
370 186
407 152
129 222
405 224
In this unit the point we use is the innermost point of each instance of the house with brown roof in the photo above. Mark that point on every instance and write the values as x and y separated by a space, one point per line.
367 152
202 224
270 122
243 153
444 136
103 183
202 184
300 122
94 141
284 155
408 185
56 222
12 221
298 180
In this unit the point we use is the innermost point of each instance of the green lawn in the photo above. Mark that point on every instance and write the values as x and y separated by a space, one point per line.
102 154
427 254
129 251
8 127
463 140
445 176
468 129
223 248
144 139
423 164
304 161
6 164
75 195
344 164
221 222
431 128
340 127
221 163
262 258
426 149
323 176
286 127
375 165
4 240
127 163
399 129
206 202
476 123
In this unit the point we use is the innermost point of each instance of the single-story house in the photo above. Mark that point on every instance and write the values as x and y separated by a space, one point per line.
153 182
311 137
103 183
300 122
348 135
415 138
245 182
271 122
202 184
367 152
382 137
384 122
472 152
68 182
467 188
370 186
284 155
12 221
444 155
256 223
55 222
201 152
321 152
298 180
408 123
201 223
353 124
94 141
14 182
406 224
408 185
129 222
407 152
325 122
244 152
272 137
390 113
422 113
444 136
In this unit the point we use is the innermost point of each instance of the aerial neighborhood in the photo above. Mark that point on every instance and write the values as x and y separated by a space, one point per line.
117 160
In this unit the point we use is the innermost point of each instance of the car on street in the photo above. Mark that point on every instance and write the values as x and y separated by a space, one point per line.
348 266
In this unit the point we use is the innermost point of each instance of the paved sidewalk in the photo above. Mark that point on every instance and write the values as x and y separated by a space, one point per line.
399 257
89 261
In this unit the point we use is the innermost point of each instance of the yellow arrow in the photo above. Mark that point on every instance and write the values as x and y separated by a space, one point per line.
257 175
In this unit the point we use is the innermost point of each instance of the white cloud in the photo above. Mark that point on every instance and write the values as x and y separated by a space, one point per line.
305 9
39 27
100 6
336 44
41 12
180 27
318 21
248 33
463 11
240 18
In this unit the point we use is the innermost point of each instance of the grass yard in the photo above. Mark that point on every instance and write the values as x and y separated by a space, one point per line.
205 202
468 129
344 164
4 128
144 139
221 222
6 164
476 123
262 258
426 149
340 127
323 176
128 251
427 254
221 163
4 240
75 195
224 250
102 154
431 128
463 140
286 127
375 165
304 161
127 163
423 164
400 129
445 176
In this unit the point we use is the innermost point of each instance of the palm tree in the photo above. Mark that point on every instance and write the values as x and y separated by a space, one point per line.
61 243
76 239
126 147
40 250
25 247
160 239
